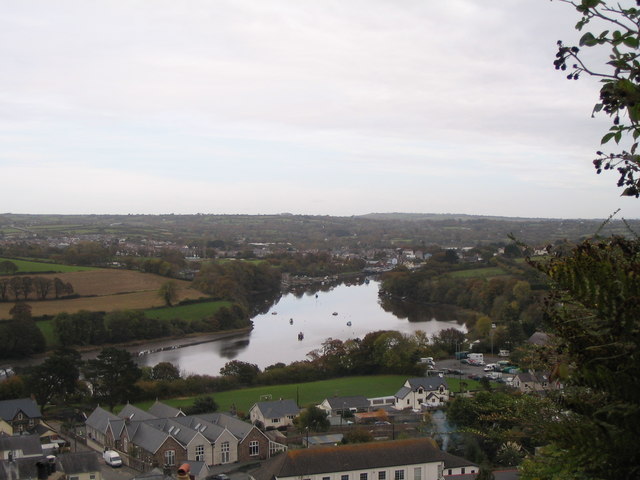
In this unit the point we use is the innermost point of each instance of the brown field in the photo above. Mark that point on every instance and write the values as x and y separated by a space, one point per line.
109 289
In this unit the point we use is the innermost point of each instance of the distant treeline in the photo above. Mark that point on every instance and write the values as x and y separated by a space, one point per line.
24 287
99 328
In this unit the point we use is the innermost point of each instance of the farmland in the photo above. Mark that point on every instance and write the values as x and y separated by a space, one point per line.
107 290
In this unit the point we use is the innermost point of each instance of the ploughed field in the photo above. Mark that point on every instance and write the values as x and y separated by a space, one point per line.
106 290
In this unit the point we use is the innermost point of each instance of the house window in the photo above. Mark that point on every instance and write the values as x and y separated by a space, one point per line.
170 458
462 470
399 475
382 475
326 478
363 476
200 453
20 416
74 478
450 472
254 448
92 476
417 473
275 420
226 449
344 477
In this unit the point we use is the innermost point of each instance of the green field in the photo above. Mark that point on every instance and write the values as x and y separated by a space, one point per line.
307 393
46 327
27 266
195 311
478 272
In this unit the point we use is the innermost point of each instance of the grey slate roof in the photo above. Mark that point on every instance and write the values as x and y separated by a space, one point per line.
363 456
427 383
355 401
278 408
210 431
19 469
79 462
237 427
147 437
182 433
162 410
134 413
29 444
10 408
99 419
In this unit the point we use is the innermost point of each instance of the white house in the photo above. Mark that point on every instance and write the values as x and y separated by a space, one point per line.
422 392
274 414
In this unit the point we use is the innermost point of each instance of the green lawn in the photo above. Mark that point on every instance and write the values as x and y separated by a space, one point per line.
27 266
311 392
46 327
194 311
478 272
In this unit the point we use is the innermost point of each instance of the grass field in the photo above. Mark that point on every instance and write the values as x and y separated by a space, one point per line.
478 273
46 327
311 392
28 266
107 290
195 311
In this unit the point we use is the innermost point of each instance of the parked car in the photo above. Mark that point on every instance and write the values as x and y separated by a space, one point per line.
112 458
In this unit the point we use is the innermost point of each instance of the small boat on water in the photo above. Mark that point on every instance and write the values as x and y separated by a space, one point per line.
291 321
349 323
300 336
334 313
274 313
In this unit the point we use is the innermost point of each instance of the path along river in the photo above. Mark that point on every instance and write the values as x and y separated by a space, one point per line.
343 312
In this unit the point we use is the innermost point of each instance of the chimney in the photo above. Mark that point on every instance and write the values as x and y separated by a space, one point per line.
183 472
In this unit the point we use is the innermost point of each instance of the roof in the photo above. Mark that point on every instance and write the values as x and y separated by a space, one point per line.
20 468
79 462
330 438
162 410
29 444
239 428
10 408
277 408
134 413
99 419
351 457
355 401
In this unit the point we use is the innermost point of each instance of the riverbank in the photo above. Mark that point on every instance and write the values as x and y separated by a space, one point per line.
134 347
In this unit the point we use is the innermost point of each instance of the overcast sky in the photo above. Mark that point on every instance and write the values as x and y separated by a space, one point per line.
338 107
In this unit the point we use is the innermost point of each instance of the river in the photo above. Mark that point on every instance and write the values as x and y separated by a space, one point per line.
342 311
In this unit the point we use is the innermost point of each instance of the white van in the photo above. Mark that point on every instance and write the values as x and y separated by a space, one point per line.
112 458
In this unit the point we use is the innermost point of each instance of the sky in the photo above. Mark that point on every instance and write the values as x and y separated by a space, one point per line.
321 107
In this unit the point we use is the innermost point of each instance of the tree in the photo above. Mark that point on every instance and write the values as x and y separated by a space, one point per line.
168 292
313 418
202 405
7 266
594 311
246 373
56 376
620 79
165 371
42 286
113 375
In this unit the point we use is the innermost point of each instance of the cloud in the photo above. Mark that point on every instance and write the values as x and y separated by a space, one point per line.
339 107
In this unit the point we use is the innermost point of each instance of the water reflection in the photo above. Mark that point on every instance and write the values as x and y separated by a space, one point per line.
344 311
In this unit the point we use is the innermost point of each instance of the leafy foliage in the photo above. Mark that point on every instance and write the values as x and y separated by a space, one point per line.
113 375
595 313
620 90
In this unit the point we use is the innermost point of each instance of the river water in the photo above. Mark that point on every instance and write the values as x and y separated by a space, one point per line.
342 311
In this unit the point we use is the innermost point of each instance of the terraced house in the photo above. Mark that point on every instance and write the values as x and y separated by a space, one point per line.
146 440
